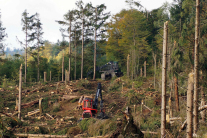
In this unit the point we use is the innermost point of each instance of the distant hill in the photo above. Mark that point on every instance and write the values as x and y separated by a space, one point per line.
14 51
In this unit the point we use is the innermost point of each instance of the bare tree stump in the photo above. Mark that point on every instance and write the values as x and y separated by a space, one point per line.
45 76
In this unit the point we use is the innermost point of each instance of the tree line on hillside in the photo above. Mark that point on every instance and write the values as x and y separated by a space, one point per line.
89 41
133 37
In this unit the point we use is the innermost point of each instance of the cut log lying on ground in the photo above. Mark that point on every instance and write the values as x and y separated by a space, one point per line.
8 115
33 112
33 91
175 118
26 105
49 116
147 107
41 135
68 97
199 109
149 132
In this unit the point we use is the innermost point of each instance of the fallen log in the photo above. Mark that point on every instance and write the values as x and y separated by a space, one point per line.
68 97
26 105
147 107
32 112
184 123
8 115
175 118
33 91
41 135
49 116
150 132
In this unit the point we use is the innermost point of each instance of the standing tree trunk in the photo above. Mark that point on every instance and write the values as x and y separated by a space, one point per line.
20 92
176 93
82 48
75 55
196 60
203 113
69 70
63 67
128 65
132 65
38 59
141 72
25 72
94 67
145 69
190 106
155 66
50 76
164 81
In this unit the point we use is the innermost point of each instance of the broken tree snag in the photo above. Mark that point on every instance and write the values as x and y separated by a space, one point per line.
164 80
20 92
40 105
45 76
80 100
190 106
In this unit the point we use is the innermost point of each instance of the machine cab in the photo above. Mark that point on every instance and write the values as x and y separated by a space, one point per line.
87 106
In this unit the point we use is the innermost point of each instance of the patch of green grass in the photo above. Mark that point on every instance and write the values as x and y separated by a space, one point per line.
85 123
62 132
74 100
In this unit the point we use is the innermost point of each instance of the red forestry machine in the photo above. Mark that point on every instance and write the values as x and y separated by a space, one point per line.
90 107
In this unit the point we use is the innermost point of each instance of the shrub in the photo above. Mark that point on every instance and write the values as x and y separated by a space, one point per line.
56 107
74 130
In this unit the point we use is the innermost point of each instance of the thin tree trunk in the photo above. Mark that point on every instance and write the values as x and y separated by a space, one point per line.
20 92
25 73
75 55
171 89
203 102
176 93
63 66
94 67
69 70
190 106
196 60
145 68
141 72
50 76
155 64
164 81
38 59
82 48
128 65
132 64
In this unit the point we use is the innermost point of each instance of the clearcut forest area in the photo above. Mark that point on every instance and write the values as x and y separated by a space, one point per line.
136 73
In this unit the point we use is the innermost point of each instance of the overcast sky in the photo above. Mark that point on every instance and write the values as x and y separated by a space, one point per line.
51 10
